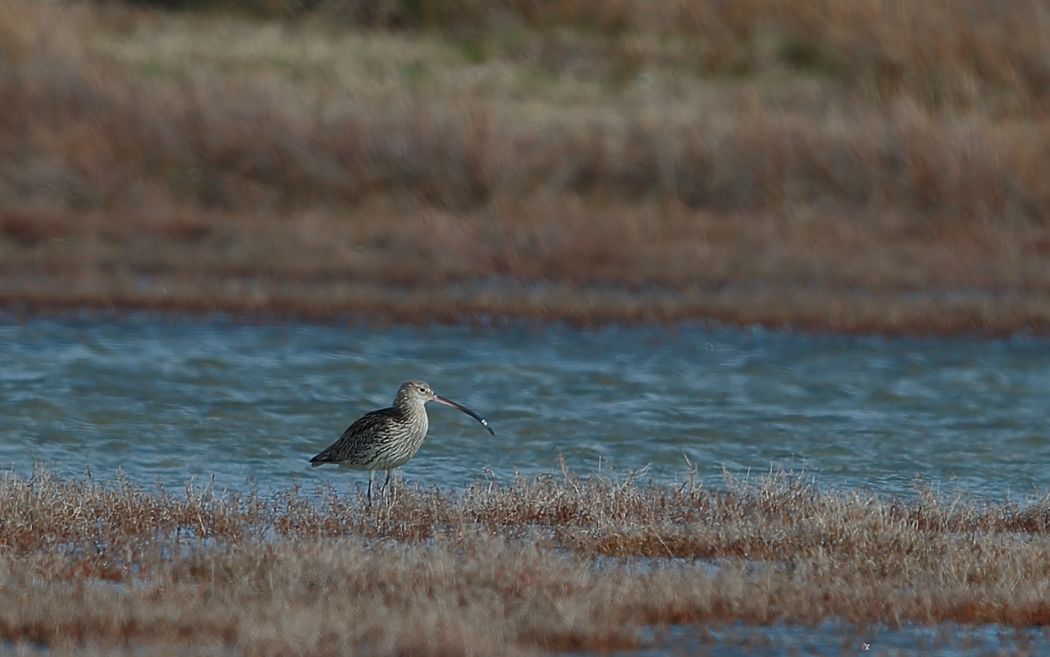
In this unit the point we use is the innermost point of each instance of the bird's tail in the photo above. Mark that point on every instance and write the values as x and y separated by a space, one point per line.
329 455
320 459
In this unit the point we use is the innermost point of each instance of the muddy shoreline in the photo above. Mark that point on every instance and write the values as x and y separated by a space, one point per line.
939 313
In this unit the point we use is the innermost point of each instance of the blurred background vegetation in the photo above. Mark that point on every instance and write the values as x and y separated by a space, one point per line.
864 165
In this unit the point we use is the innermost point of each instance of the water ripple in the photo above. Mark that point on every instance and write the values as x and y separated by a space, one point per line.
167 400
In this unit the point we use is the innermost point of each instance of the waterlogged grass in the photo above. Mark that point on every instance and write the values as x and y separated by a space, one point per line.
523 568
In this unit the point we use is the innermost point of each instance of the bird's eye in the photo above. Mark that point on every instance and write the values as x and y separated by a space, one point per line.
422 389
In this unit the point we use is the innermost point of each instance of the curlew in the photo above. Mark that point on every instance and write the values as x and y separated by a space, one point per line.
389 437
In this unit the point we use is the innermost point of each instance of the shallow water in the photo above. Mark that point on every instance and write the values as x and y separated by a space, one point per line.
166 400
833 638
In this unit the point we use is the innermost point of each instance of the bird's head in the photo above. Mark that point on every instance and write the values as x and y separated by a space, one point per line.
412 393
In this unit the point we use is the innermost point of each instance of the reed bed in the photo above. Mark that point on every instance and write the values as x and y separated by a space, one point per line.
865 167
527 567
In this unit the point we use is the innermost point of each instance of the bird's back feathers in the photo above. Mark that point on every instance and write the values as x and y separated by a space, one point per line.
357 436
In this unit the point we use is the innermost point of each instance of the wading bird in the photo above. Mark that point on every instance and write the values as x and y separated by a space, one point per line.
388 438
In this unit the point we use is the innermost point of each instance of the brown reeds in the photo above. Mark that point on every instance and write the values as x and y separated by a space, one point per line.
536 565
869 166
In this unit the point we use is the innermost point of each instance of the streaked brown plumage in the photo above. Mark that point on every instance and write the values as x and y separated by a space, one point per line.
389 437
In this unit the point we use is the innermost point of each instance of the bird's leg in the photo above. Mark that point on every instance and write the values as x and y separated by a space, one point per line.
393 489
382 489
371 475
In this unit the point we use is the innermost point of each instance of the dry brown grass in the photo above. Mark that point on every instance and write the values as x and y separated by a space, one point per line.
866 166
513 569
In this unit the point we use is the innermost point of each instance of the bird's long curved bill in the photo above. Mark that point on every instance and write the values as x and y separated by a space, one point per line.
460 407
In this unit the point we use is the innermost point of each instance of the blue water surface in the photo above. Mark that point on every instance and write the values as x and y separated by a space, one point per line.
169 399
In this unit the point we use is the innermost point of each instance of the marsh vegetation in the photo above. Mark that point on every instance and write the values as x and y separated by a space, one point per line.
526 567
876 166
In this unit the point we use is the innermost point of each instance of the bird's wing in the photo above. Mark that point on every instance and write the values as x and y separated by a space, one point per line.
365 428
